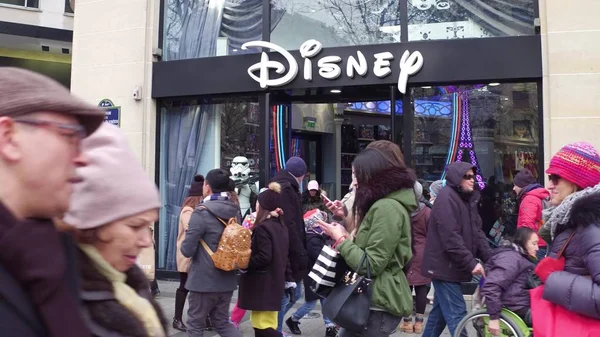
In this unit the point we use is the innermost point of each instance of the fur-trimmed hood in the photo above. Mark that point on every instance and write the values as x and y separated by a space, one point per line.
105 315
382 185
585 212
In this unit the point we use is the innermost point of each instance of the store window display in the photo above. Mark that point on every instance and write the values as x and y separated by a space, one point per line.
195 29
460 19
492 126
195 137
336 23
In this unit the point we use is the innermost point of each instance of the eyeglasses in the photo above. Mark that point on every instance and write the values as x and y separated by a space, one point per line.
74 133
554 178
469 177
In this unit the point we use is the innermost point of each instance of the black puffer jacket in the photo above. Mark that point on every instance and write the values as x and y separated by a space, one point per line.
292 214
577 288
309 203
509 279
454 237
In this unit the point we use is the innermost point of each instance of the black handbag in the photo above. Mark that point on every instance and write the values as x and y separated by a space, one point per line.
349 303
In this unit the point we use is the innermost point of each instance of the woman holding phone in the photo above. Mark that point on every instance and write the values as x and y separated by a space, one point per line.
382 226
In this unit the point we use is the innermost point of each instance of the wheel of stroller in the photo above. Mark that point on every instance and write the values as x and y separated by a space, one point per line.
475 325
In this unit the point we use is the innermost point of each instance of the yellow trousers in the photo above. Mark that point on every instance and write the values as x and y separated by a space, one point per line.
264 319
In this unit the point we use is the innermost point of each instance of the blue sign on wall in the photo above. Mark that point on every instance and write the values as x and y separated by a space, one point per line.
112 112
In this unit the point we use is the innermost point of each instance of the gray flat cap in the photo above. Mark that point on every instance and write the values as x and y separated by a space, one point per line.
24 92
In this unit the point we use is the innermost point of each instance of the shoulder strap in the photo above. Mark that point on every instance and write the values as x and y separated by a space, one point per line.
562 250
206 247
202 242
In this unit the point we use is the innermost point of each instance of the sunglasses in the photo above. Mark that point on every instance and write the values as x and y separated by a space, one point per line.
554 178
469 177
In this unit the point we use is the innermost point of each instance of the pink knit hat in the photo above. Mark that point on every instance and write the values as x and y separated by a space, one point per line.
578 163
115 185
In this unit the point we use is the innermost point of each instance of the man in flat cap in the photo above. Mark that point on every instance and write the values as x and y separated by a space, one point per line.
41 128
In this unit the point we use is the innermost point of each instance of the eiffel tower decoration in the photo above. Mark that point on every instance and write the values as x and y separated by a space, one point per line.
465 146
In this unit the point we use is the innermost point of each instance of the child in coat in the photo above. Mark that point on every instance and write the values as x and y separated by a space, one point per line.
262 284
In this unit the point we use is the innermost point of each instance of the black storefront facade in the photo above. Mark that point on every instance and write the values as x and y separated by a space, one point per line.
472 99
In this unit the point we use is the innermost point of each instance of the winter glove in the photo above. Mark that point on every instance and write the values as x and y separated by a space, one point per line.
547 266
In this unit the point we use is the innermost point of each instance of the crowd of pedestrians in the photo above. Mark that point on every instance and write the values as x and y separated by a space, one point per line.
76 209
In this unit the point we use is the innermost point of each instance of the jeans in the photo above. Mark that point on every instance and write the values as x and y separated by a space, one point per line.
308 307
217 306
381 324
286 305
449 308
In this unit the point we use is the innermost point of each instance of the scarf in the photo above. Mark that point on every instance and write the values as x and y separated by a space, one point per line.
125 295
223 196
560 215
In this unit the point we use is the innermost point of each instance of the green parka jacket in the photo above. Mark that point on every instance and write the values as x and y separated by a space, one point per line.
384 234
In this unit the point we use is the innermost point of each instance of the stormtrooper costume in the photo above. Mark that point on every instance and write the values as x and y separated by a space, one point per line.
246 184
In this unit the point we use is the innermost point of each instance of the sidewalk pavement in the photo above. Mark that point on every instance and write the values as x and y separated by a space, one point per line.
311 326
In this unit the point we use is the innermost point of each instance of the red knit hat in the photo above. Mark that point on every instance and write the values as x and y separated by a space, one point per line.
578 163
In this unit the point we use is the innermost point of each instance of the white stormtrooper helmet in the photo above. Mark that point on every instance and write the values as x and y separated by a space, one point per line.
240 168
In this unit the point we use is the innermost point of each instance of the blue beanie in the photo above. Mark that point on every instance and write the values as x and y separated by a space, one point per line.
296 166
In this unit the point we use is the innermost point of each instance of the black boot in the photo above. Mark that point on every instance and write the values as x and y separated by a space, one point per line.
180 296
331 331
293 326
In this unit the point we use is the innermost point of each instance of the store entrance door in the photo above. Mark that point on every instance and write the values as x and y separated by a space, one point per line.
308 146
328 128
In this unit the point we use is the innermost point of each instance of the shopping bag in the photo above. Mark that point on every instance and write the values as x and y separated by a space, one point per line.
552 320
327 271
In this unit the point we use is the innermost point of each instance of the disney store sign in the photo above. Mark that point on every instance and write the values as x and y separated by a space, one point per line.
329 66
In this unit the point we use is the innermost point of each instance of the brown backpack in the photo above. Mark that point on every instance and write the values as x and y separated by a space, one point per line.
233 251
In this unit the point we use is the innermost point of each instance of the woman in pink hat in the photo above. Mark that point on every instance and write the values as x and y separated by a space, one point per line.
573 224
112 210
311 198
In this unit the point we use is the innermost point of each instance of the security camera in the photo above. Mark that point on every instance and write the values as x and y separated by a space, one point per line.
137 93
